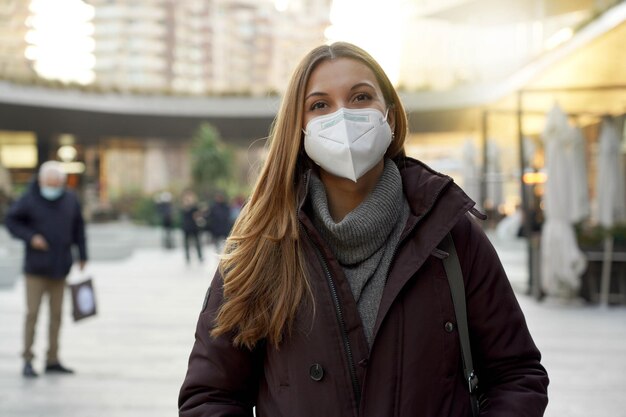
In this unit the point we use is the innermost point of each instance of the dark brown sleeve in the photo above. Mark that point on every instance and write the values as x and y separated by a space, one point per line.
221 380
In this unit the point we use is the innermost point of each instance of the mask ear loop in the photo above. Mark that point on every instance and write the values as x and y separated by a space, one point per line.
393 134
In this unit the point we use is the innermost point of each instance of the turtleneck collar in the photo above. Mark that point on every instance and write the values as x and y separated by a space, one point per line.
366 229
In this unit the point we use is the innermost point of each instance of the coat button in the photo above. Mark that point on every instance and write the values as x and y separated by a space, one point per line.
449 326
316 372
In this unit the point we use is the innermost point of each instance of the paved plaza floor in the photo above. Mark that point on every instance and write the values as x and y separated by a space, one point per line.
131 358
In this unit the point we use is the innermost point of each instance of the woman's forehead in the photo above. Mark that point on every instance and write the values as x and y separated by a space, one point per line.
340 72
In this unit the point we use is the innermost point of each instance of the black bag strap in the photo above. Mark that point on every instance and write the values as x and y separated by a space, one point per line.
457 289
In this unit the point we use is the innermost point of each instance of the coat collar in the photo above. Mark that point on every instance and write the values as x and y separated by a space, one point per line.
422 186
436 203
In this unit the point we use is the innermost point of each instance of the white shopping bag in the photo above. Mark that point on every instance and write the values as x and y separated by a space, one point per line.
83 298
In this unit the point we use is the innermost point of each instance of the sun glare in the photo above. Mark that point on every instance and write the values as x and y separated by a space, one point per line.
373 25
60 40
281 5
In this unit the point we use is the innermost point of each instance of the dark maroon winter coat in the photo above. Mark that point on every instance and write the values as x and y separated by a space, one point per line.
414 368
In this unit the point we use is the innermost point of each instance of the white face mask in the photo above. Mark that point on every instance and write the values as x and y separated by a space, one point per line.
349 142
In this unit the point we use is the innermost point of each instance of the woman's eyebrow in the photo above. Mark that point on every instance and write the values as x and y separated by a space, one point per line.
354 87
315 94
362 84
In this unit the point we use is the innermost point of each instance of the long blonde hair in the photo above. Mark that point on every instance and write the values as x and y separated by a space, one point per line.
263 265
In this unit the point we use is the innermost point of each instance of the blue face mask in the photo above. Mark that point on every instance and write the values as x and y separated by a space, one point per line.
51 193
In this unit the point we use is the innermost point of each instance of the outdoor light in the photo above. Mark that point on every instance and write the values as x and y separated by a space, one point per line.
533 178
67 153
73 167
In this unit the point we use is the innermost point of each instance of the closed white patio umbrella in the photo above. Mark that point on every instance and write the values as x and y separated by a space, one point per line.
562 262
610 202
580 208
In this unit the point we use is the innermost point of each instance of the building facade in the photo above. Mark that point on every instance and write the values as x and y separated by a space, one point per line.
484 40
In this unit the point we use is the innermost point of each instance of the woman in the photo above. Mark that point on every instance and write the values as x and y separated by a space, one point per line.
332 299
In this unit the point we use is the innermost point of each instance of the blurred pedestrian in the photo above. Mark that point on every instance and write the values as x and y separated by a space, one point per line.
332 298
235 208
192 221
6 191
48 219
219 223
166 214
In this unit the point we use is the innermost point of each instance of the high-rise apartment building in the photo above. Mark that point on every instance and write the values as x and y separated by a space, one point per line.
242 40
131 46
179 46
13 29
190 46
297 29
203 46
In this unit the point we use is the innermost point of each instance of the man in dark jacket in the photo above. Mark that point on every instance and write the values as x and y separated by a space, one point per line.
191 218
49 221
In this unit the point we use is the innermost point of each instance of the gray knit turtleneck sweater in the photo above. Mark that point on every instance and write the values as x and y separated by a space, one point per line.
365 239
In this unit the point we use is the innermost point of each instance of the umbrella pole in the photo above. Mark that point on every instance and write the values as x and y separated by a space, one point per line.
483 176
605 282
534 283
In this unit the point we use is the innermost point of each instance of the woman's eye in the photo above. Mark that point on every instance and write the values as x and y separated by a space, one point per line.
361 97
318 105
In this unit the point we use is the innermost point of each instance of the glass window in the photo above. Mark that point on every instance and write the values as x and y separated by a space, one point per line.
18 149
